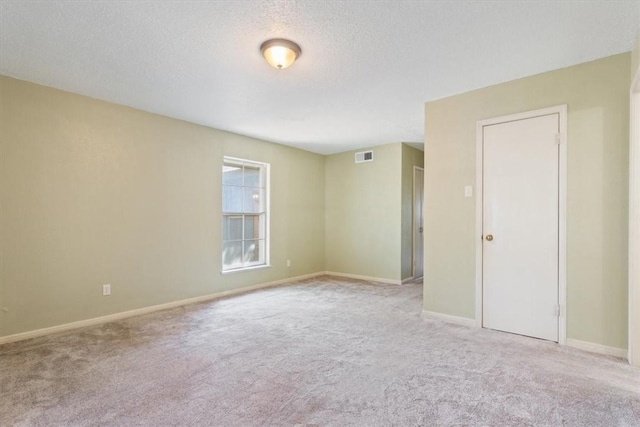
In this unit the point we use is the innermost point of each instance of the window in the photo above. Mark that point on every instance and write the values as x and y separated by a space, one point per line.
245 187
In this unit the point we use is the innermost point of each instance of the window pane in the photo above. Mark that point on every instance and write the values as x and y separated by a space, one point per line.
253 202
232 227
252 176
231 175
231 198
254 251
263 226
251 227
232 254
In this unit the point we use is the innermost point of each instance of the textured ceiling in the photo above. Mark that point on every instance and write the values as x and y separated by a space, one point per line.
366 70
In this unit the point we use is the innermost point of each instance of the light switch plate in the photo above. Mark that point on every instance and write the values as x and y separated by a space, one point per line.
468 191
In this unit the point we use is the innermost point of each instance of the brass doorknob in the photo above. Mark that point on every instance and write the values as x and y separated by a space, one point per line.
489 237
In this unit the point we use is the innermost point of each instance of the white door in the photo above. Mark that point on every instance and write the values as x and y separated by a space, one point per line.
520 226
418 222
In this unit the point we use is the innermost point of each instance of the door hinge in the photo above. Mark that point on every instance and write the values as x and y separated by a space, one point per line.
557 310
558 139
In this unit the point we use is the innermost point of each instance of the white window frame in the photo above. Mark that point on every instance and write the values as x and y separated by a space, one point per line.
265 168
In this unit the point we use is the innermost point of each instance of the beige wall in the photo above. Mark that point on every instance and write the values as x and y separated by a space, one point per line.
363 213
634 284
94 193
597 94
411 157
635 57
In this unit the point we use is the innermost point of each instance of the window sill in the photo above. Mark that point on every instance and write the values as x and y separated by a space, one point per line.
238 270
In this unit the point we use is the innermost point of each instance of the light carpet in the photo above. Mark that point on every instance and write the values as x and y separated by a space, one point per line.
323 351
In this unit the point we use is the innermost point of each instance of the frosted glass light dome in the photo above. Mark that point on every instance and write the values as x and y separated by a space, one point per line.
280 53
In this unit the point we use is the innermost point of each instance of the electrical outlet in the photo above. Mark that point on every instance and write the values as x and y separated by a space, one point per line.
106 290
288 263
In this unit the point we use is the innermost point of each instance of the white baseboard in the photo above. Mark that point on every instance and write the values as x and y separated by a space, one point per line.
144 310
448 318
597 348
407 280
367 278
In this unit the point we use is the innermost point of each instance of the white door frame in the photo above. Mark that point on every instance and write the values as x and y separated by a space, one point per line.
561 110
634 219
413 223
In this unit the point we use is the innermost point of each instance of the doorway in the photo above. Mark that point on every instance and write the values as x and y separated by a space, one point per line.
520 220
418 222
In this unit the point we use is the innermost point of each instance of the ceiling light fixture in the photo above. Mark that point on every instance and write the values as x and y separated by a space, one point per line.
280 53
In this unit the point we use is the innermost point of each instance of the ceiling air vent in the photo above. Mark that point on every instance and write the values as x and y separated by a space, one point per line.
364 156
